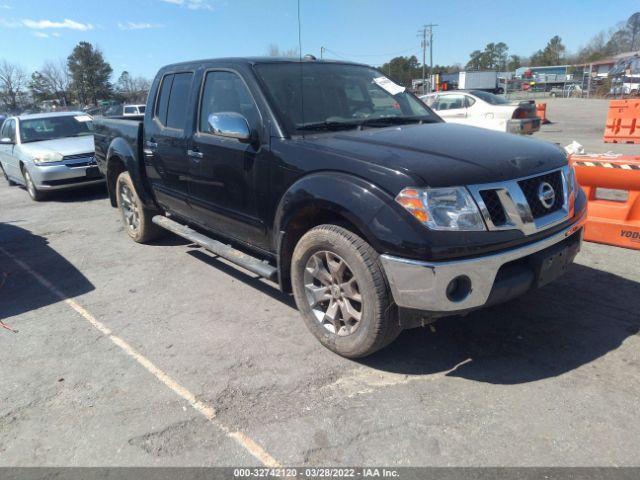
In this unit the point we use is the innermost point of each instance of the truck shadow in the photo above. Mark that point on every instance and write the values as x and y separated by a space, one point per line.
566 325
20 292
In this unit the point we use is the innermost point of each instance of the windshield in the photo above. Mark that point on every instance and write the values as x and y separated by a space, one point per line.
490 97
337 96
50 128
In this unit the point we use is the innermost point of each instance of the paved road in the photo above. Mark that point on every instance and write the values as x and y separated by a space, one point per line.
582 120
164 355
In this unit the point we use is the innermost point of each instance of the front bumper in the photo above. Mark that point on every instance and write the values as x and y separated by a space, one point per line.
490 279
524 125
68 174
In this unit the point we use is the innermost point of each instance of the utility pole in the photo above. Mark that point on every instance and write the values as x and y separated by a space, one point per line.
423 32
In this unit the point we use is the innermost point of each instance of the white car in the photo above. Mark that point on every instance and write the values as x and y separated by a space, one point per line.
486 110
131 110
49 151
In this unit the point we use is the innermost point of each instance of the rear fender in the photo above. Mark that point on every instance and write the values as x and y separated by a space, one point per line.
120 151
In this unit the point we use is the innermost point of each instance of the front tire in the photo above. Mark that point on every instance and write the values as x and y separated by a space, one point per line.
136 217
35 194
10 182
341 291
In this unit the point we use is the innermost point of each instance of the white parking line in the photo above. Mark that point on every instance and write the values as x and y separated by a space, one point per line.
207 411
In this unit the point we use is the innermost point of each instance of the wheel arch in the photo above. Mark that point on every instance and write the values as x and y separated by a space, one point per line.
327 198
121 157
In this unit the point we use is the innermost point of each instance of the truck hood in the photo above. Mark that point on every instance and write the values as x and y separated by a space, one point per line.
63 146
442 154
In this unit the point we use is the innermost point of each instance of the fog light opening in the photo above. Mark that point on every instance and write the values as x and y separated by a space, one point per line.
459 288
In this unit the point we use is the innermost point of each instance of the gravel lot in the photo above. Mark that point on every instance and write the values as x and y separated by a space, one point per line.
164 355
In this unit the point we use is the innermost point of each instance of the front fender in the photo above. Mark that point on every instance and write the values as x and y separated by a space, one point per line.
373 211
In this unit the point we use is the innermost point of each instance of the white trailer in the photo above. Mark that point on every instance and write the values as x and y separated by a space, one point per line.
478 81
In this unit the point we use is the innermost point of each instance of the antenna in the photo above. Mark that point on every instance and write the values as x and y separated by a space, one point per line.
301 65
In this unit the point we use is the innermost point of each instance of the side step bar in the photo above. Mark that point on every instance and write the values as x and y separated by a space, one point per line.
245 261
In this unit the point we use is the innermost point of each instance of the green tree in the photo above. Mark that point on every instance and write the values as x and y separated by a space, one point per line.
403 69
515 62
90 73
39 87
493 57
553 53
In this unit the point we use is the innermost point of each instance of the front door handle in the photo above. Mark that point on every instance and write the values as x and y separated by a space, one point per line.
152 144
197 156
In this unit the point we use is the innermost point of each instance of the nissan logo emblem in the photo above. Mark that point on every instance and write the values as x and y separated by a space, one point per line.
546 194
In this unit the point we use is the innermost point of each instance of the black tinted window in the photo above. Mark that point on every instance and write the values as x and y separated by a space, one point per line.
177 108
163 99
226 92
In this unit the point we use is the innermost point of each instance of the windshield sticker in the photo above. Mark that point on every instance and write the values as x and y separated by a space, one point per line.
388 85
83 118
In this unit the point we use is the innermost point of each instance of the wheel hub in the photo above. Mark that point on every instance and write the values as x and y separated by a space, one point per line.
333 293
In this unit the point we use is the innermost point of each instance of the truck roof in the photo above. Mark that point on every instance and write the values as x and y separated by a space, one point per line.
257 60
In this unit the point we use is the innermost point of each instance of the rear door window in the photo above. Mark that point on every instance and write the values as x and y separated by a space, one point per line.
450 102
178 100
162 103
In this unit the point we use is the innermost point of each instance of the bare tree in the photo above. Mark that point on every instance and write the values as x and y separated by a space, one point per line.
13 83
56 75
133 89
274 51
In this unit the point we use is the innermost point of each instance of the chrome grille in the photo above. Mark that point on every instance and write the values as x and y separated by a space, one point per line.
78 156
530 188
494 206
515 204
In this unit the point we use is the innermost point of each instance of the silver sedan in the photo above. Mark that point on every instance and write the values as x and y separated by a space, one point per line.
49 151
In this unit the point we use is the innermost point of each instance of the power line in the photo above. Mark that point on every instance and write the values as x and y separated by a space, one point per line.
369 54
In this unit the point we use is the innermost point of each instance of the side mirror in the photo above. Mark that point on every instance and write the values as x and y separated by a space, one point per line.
230 125
6 141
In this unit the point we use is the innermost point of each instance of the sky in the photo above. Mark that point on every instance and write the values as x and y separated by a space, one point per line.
142 35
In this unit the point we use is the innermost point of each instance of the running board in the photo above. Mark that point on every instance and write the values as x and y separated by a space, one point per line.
245 261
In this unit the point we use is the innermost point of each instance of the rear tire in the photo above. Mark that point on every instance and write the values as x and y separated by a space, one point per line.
136 217
341 291
35 194
6 177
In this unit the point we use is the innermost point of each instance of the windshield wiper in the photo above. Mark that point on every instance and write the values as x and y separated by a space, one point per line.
387 121
328 125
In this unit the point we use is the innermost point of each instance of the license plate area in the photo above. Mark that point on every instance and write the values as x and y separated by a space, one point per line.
552 262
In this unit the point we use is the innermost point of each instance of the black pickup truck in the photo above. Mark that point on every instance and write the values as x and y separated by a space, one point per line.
332 180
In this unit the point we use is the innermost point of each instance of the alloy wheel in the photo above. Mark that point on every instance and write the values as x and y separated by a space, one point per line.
333 293
129 208
31 188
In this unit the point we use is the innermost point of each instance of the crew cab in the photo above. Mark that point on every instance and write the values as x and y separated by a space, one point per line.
485 110
332 180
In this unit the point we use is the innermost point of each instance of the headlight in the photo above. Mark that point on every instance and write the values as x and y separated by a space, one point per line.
442 208
46 157
572 182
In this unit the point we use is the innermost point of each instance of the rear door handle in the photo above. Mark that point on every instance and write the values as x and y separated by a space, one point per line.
197 156
152 144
